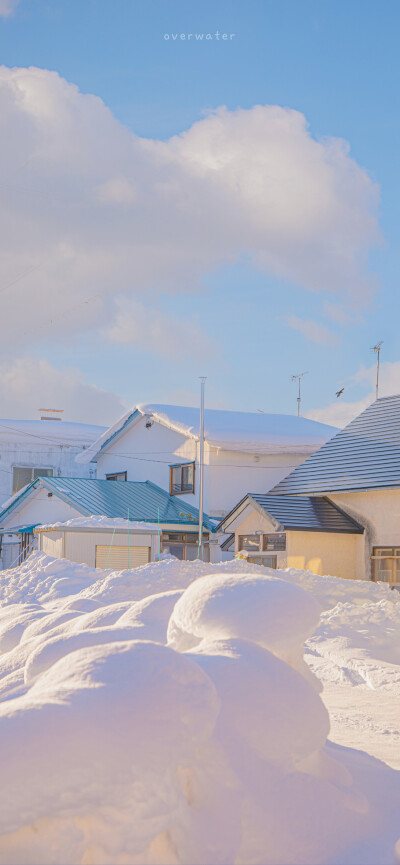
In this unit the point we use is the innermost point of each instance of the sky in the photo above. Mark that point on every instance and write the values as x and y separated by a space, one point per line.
174 204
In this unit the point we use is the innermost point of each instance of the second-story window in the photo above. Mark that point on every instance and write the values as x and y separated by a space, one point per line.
118 476
181 479
23 475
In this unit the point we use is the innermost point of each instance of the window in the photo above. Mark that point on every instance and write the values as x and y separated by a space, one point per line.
250 543
23 475
181 479
265 561
118 476
386 565
183 545
274 542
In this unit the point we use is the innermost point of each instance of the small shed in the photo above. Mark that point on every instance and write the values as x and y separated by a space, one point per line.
101 542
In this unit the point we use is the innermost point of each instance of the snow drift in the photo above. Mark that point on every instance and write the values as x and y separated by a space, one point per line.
166 715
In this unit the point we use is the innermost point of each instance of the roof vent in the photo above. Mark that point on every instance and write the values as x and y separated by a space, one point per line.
51 413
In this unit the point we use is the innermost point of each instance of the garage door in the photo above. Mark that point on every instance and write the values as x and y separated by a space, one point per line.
117 557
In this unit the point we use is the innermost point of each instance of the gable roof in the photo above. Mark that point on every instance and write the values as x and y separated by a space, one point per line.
249 432
364 455
299 513
142 499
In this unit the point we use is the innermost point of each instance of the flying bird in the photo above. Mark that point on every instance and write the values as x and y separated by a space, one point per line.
339 392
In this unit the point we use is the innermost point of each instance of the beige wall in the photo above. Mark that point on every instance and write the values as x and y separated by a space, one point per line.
379 512
81 546
324 553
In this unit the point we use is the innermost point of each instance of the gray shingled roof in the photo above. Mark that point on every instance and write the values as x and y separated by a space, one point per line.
302 513
365 455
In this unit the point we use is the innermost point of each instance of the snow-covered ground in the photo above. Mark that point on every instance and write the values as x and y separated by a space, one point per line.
168 715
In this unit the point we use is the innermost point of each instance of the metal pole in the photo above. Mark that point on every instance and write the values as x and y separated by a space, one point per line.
201 493
128 539
377 373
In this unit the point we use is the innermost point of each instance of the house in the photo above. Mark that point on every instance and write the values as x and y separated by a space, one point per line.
48 500
290 532
357 472
33 448
241 450
101 542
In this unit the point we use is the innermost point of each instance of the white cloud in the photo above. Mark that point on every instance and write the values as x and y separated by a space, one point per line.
154 331
29 384
7 7
312 330
339 313
88 209
341 412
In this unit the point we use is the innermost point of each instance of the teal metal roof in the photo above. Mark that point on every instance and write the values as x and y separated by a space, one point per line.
19 530
136 500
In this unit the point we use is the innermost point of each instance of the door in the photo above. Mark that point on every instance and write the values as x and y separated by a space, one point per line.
121 558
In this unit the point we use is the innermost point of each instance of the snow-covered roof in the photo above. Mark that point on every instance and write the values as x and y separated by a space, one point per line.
49 432
248 432
99 522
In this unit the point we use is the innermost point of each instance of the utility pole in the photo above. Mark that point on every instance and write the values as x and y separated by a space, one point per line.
201 487
377 349
298 378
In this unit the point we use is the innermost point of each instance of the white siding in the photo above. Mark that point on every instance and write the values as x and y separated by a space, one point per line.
59 458
52 544
39 507
146 454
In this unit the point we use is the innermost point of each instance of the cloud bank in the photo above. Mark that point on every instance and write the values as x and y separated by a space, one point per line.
7 7
92 216
29 383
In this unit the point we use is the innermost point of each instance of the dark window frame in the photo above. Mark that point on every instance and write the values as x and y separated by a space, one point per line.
113 477
387 553
256 560
242 547
277 542
182 466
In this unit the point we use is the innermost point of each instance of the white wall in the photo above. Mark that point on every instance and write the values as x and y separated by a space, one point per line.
59 458
232 474
39 507
146 454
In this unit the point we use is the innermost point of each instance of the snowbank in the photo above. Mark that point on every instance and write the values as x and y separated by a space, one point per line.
165 715
98 522
359 645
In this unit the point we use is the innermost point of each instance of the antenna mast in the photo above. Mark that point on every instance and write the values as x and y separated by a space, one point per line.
377 349
298 378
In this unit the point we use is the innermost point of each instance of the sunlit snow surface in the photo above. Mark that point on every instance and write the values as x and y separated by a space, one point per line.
167 715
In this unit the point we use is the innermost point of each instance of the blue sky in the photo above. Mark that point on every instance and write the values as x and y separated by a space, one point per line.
336 63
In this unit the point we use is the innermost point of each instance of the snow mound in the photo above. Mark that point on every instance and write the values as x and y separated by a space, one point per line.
359 645
166 715
330 591
100 522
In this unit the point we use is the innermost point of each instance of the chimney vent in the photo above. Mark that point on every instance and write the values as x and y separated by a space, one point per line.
51 413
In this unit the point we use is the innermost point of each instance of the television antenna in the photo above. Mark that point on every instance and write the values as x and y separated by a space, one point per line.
298 378
377 349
